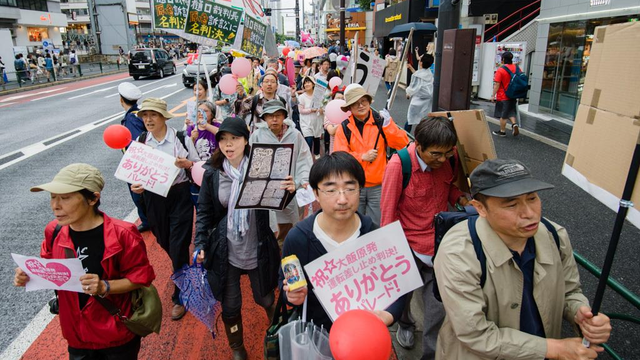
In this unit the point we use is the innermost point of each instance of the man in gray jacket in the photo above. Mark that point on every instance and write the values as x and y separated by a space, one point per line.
531 279
277 128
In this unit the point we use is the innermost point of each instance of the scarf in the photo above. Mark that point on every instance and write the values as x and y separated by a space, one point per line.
237 220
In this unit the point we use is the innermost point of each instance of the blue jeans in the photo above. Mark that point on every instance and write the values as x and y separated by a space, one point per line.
389 85
314 144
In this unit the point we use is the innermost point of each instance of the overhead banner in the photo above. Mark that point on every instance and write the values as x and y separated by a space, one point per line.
170 14
213 21
253 36
251 8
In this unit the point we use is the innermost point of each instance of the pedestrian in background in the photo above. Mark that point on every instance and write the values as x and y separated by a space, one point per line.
224 102
310 118
391 70
129 96
113 256
505 107
420 91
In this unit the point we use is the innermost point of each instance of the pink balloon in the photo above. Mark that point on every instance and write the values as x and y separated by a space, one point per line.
228 84
197 172
241 67
334 113
335 81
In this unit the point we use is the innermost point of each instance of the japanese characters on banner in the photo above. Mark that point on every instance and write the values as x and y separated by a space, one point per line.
269 165
369 273
369 71
170 14
253 36
152 168
213 21
56 274
251 8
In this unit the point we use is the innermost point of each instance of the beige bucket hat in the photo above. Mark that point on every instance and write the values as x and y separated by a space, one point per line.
157 105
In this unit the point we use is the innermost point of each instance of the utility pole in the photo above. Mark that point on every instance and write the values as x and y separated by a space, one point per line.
342 27
448 18
297 20
93 22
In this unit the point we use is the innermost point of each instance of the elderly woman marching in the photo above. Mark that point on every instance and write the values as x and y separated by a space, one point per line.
113 255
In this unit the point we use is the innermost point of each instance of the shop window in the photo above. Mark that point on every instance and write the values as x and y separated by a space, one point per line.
37 34
37 5
8 3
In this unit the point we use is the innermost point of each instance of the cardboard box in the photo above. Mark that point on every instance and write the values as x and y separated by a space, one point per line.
600 153
613 76
474 137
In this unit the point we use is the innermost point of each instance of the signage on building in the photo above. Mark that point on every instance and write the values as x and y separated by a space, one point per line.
490 19
600 2
389 17
393 18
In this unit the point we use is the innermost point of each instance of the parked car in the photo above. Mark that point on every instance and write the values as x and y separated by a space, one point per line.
213 62
150 62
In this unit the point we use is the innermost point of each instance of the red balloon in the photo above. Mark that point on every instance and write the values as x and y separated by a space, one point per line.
285 51
116 136
359 335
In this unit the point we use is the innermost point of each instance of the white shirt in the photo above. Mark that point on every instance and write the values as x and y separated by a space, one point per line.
328 243
171 145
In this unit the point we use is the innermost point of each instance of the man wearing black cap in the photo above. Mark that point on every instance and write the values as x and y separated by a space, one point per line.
511 305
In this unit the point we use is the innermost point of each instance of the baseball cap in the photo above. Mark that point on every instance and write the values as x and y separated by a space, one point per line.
72 178
233 125
504 178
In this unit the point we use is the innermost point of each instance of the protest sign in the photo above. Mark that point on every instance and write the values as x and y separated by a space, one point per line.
251 8
170 14
253 36
369 69
269 164
213 21
152 168
56 274
317 100
369 273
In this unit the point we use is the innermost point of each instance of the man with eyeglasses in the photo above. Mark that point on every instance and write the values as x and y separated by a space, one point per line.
251 107
365 135
336 180
277 128
430 188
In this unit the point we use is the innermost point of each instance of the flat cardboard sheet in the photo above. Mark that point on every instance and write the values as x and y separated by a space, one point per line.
612 77
600 152
474 137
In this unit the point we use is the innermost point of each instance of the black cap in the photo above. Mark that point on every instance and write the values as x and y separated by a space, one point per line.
233 125
504 178
296 63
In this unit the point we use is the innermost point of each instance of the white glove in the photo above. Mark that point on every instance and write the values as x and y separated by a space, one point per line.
386 116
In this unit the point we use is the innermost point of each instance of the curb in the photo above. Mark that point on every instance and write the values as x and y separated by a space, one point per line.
60 82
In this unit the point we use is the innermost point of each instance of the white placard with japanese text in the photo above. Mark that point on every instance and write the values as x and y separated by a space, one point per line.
368 71
152 168
317 100
370 272
56 274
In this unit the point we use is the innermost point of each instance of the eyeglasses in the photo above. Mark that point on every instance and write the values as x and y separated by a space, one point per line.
332 193
438 155
362 102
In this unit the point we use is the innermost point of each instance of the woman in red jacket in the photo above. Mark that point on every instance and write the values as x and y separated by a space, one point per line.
113 255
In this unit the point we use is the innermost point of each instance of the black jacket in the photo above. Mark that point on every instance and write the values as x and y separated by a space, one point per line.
302 242
211 236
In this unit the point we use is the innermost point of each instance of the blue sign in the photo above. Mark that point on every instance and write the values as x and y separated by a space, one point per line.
45 43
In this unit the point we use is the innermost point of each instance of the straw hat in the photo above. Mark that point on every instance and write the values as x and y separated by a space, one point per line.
157 105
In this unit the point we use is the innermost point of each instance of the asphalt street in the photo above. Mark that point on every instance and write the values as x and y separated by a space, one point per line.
35 122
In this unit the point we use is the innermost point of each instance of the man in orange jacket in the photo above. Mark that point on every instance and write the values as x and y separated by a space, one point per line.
366 135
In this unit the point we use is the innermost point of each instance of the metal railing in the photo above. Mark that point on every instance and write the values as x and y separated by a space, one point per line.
498 29
616 286
33 77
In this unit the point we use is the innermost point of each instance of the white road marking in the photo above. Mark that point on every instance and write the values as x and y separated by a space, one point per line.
93 92
84 88
7 104
161 87
39 147
28 95
141 86
21 343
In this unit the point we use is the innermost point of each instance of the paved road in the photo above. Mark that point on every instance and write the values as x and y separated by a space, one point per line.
35 120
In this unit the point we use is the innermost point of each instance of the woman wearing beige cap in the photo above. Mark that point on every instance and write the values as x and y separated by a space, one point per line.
113 255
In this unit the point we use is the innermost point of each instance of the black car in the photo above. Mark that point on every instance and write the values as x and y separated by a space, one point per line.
150 62
214 62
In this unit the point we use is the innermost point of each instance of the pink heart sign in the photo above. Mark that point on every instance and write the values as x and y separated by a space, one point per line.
54 272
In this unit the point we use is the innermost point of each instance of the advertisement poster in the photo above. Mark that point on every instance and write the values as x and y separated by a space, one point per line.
213 21
269 164
152 168
369 273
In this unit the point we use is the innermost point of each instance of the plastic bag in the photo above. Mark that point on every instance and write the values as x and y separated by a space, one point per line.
195 293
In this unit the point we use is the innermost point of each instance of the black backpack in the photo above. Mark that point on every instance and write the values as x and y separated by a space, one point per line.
446 220
377 120
518 84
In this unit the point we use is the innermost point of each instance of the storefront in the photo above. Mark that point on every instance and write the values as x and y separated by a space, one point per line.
562 57
355 23
34 27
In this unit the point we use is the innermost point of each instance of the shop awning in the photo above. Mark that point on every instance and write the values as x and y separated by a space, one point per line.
419 28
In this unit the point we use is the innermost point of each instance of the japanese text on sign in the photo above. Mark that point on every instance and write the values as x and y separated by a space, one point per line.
212 20
170 14
152 168
368 273
368 71
253 36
